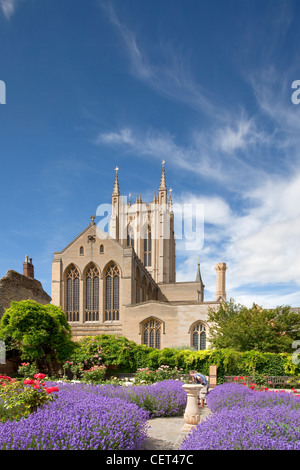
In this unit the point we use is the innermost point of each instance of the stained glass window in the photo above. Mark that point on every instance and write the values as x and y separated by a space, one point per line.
72 294
152 333
112 293
199 336
92 294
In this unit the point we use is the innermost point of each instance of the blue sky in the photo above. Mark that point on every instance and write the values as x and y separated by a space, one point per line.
205 86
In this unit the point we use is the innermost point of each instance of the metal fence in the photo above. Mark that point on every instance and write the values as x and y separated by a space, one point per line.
271 380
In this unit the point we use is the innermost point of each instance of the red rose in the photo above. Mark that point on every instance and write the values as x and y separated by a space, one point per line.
28 382
39 376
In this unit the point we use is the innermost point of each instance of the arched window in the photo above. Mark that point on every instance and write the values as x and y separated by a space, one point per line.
151 333
81 251
112 293
92 294
72 297
130 237
101 249
199 336
147 247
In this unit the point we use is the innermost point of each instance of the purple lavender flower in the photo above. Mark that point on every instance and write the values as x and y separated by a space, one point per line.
99 417
244 419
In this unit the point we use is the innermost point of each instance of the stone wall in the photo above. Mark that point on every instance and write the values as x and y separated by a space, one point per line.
16 287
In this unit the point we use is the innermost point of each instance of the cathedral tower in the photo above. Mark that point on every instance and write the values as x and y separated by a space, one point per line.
148 228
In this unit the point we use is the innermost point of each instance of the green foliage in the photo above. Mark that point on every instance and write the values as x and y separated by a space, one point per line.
245 329
40 333
94 375
164 372
115 352
27 370
121 355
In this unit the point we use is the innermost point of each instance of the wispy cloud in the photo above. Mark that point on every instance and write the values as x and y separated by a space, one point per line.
8 7
170 76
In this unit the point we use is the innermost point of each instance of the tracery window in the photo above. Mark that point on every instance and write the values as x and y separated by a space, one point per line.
72 297
112 293
151 333
199 336
147 247
92 294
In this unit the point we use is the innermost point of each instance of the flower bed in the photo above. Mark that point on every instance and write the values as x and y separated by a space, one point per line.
94 417
166 398
248 419
81 418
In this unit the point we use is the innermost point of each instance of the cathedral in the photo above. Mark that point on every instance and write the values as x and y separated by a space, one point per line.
124 282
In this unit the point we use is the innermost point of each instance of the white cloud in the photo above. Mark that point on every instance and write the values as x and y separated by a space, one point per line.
260 246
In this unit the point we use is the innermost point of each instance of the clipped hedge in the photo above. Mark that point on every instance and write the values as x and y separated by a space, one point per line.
122 355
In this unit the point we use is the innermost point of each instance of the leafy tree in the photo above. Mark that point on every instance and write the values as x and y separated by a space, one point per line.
244 329
39 333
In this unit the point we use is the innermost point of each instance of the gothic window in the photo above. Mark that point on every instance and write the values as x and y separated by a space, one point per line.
147 247
92 294
72 297
151 333
199 336
81 251
101 249
112 293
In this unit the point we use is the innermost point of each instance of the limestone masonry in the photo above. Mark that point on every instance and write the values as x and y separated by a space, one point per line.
125 282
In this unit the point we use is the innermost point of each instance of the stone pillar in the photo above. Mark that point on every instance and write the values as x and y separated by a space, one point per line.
220 290
192 411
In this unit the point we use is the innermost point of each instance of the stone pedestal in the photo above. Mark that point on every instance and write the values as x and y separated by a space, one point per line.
192 411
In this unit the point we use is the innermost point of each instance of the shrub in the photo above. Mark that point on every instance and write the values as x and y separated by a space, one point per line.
94 375
20 398
27 370
164 372
38 333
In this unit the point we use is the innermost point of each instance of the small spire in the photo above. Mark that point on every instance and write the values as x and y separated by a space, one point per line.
163 186
198 277
170 196
116 190
92 220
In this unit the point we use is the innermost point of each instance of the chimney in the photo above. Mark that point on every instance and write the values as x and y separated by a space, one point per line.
221 291
28 269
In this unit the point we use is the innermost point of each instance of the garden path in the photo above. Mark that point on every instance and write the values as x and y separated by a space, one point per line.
166 433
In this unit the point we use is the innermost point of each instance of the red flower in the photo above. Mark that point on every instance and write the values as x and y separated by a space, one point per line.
39 376
28 382
36 386
51 389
